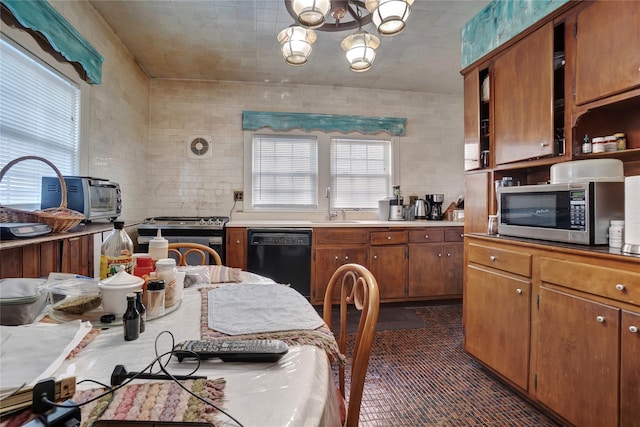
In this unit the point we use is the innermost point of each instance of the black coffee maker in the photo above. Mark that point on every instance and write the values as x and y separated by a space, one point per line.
434 206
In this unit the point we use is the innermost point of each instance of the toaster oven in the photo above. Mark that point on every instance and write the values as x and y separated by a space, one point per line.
95 198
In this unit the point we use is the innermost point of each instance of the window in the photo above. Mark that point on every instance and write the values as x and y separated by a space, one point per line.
39 115
360 172
290 172
284 171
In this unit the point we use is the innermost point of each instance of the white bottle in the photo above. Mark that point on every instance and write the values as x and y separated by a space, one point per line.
158 247
616 231
166 270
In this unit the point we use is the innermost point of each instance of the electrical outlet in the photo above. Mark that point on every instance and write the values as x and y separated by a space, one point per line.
238 196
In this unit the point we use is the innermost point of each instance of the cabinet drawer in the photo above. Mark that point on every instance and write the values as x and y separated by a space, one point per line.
426 235
618 284
340 235
502 259
388 237
454 234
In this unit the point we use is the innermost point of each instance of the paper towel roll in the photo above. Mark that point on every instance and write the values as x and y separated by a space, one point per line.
632 210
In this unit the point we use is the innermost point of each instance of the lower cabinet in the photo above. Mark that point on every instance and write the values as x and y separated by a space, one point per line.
236 248
497 322
561 324
388 263
68 255
578 354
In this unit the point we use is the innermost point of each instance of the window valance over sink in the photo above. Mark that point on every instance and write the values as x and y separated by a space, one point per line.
41 17
254 120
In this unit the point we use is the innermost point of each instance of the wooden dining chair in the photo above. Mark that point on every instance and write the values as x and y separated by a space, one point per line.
359 287
188 248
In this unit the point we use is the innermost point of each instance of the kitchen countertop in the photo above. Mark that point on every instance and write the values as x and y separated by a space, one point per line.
253 223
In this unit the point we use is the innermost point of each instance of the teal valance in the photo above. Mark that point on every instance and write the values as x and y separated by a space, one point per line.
253 120
40 16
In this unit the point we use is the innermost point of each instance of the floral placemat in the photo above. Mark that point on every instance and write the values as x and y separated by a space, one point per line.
321 337
154 401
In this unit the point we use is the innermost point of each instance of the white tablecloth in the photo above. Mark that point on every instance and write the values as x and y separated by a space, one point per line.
298 390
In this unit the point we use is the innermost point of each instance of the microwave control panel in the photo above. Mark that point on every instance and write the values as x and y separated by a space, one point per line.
578 210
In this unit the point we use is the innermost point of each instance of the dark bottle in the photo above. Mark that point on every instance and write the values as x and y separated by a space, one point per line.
142 310
131 319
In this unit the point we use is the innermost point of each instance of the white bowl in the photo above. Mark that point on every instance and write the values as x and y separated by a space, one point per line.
114 291
608 170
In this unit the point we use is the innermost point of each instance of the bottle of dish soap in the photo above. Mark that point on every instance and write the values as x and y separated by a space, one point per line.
158 247
116 252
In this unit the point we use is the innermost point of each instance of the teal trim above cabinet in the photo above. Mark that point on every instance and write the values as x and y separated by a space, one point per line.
253 120
40 16
500 21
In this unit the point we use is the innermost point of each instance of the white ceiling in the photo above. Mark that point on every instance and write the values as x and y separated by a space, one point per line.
235 40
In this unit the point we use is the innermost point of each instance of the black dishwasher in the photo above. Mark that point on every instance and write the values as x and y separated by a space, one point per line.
283 255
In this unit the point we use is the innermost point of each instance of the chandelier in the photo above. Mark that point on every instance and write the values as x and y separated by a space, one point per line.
388 16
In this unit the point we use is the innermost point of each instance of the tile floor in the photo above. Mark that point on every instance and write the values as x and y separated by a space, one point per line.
423 377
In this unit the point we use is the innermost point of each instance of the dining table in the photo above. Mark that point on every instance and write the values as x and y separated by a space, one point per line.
296 390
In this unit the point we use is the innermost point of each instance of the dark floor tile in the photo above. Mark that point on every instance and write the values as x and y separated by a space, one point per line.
423 377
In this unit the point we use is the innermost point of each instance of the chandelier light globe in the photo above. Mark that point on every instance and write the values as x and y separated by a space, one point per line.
360 48
389 16
296 44
311 13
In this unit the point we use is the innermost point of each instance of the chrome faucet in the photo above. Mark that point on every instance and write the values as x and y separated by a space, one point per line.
330 215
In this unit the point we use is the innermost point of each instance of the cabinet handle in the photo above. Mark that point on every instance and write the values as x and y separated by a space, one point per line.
620 287
544 144
426 236
375 257
518 291
448 254
462 235
600 319
346 258
492 258
237 242
388 237
633 329
439 255
337 257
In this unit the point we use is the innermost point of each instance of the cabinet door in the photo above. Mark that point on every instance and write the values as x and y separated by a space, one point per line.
629 369
608 42
389 266
425 270
476 201
472 120
453 260
236 248
77 255
326 262
578 353
523 99
497 323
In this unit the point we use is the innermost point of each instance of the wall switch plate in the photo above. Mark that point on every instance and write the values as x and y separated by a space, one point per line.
238 196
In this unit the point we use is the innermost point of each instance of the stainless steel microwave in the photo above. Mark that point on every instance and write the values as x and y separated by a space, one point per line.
96 198
574 212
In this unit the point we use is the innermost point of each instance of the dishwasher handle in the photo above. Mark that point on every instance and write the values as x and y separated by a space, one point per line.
280 238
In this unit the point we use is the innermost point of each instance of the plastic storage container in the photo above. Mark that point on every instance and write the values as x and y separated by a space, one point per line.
155 298
116 252
21 300
166 270
608 170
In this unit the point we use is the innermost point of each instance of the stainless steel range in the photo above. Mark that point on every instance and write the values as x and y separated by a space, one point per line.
207 231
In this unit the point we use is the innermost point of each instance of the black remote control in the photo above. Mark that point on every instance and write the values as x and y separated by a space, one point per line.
232 350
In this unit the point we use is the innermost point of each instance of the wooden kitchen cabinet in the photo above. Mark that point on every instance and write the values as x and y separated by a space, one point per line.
77 255
472 120
236 248
577 363
523 91
435 262
607 46
629 369
388 263
334 247
497 310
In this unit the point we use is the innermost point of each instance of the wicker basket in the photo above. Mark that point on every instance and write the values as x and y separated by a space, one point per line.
59 219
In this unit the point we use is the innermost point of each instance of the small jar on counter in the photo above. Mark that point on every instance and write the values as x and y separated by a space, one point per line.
616 232
492 225
155 298
610 144
597 145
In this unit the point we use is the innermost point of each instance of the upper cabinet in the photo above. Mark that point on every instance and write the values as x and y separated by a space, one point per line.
523 91
471 120
607 50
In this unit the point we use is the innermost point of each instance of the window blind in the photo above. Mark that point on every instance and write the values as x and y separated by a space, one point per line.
360 172
39 115
284 171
